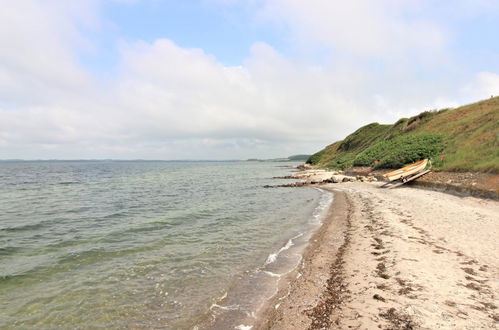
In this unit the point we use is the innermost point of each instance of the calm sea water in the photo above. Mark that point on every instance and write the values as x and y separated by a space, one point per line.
146 244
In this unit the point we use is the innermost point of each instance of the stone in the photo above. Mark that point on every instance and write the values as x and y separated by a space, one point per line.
336 178
347 178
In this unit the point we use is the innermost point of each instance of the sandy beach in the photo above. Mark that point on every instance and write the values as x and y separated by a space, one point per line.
405 258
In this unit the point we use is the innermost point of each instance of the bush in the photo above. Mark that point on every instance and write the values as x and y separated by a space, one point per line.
400 151
341 162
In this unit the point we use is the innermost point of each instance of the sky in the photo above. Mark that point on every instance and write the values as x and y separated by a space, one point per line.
230 79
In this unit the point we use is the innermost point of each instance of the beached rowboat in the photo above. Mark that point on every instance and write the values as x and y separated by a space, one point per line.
406 171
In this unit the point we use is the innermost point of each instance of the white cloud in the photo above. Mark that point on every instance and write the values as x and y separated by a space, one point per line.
484 85
38 40
187 93
382 29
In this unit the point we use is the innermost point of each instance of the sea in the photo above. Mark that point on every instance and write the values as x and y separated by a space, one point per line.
147 244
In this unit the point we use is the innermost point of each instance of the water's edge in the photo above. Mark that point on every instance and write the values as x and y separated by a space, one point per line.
245 303
304 289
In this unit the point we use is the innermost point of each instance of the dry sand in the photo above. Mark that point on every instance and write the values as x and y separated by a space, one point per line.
395 259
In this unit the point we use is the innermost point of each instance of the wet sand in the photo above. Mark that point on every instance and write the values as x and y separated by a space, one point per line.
405 258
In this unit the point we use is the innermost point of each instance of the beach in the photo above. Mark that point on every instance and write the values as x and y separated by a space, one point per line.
201 245
405 258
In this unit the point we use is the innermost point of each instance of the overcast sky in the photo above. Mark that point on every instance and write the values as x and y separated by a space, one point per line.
230 79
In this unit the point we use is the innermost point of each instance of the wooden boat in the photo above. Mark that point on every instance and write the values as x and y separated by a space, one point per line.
406 171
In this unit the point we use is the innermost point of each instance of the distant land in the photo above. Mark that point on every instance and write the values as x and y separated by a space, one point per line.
457 140
116 160
294 158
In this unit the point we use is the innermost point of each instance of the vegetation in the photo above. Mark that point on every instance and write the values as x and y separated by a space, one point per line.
340 155
401 150
462 139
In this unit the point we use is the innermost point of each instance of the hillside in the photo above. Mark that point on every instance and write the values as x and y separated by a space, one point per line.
461 139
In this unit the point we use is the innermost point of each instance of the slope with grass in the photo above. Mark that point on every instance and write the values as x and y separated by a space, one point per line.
461 139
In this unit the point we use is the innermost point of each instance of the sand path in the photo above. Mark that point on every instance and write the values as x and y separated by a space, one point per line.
409 259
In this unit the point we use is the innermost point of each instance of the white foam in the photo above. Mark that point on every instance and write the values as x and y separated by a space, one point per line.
244 327
225 308
272 274
250 314
273 256
324 202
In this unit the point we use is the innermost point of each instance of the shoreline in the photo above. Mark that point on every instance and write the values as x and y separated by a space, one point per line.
395 259
262 284
302 288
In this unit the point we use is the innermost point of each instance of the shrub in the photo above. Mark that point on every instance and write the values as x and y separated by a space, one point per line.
401 150
342 162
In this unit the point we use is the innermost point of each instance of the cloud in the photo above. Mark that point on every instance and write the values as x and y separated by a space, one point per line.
165 94
383 29
484 85
187 93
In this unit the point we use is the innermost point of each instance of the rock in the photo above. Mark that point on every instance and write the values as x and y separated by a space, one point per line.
304 167
336 178
347 178
360 178
368 178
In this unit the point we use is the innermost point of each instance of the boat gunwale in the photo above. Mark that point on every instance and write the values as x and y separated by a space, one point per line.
406 170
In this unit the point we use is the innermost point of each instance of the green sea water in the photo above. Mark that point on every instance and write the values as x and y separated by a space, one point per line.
173 245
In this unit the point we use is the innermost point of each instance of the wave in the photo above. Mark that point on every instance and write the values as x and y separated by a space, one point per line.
324 203
272 274
273 256
24 227
226 308
244 327
8 250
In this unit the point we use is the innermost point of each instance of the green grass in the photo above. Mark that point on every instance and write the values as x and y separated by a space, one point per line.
462 139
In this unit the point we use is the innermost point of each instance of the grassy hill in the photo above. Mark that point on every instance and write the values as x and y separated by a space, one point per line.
462 139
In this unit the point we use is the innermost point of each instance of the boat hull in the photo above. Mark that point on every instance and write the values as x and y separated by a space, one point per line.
406 171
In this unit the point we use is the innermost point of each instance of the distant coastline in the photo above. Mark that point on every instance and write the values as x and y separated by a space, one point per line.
296 158
121 160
